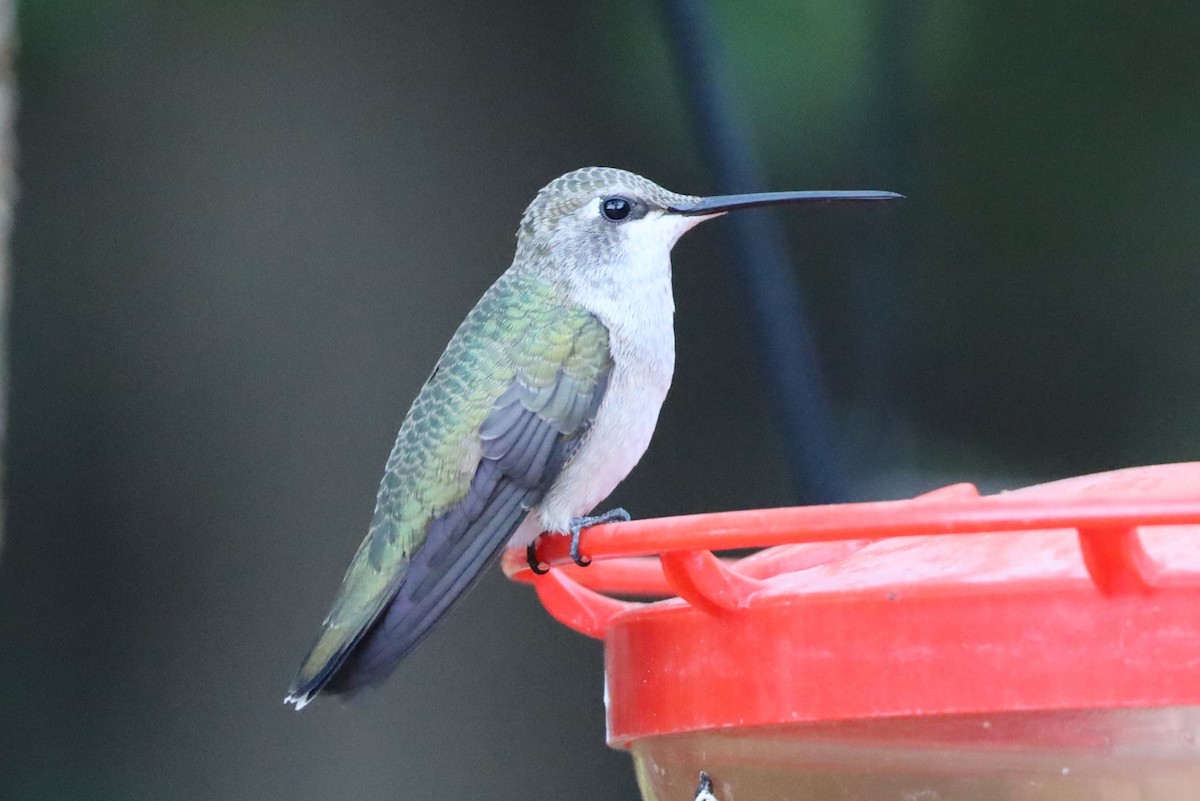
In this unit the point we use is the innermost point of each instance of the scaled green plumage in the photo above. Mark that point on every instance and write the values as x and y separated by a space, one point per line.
524 336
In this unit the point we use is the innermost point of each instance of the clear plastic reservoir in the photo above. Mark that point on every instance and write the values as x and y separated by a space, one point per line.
1095 755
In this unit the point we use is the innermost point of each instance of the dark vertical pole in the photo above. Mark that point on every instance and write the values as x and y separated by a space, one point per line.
8 91
793 373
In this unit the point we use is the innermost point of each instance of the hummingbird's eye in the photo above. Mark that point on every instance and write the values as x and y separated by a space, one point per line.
615 208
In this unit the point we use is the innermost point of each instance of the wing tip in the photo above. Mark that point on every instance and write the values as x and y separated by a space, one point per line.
298 699
315 674
304 690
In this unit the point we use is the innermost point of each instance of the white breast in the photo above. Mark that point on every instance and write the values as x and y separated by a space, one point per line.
618 437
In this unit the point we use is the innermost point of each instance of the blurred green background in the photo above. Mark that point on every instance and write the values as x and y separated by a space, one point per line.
246 230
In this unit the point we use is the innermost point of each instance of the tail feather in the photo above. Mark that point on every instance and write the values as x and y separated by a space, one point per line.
453 555
426 596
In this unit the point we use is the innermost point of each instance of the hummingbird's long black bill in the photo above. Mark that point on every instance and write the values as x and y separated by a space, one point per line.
719 203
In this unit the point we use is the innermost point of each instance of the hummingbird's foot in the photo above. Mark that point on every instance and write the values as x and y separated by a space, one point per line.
578 524
534 564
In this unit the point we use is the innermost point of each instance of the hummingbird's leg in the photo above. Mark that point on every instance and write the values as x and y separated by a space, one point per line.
578 524
531 555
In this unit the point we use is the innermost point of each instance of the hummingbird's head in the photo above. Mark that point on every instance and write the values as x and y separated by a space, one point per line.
601 216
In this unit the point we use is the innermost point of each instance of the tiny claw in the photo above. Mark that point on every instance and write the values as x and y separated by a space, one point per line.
576 556
534 564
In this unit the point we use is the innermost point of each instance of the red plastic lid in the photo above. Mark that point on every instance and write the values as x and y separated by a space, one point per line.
1078 594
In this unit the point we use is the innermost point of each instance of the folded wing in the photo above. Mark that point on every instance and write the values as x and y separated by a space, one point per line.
510 401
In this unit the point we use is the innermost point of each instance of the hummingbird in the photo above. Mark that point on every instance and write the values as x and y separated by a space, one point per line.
543 401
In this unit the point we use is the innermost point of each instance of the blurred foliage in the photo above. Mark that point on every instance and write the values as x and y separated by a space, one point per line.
806 79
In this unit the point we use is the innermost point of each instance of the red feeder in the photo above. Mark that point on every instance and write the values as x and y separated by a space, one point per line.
1037 644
